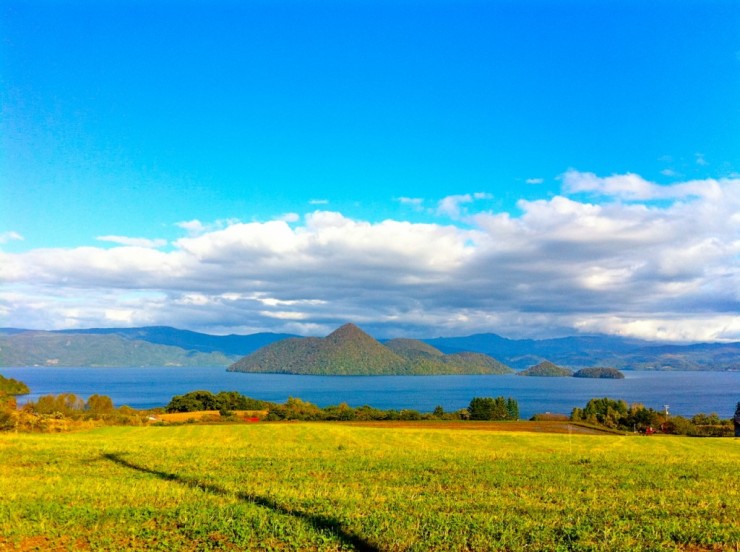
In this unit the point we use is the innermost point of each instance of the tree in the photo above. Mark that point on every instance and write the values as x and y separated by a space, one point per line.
66 404
487 408
512 409
99 406
606 412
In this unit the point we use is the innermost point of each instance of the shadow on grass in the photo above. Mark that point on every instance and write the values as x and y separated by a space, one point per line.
321 523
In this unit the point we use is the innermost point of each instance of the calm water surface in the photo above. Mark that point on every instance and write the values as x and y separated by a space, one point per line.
687 393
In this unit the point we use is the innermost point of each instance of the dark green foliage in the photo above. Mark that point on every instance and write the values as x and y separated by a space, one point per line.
488 408
512 409
546 369
295 409
606 412
616 414
298 409
13 386
607 373
196 401
350 351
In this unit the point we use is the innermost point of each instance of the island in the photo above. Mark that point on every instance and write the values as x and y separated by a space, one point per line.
349 351
605 373
547 369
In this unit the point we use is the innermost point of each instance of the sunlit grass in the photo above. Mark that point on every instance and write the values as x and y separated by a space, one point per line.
332 486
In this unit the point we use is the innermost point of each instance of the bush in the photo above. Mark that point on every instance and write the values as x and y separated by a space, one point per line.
196 401
7 420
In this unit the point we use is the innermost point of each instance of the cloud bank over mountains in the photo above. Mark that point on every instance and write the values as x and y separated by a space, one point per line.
618 255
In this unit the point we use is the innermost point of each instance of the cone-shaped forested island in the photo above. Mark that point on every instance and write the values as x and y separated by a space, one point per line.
349 351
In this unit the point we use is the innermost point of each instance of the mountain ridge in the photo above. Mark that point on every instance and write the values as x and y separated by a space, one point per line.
574 352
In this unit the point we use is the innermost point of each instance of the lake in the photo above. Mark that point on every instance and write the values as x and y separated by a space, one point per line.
686 393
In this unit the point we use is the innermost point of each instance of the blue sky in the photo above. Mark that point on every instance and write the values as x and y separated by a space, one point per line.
129 128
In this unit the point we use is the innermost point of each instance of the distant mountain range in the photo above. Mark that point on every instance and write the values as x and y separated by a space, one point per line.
108 347
350 351
599 350
162 345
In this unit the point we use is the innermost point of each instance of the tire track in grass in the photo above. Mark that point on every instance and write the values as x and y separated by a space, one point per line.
320 523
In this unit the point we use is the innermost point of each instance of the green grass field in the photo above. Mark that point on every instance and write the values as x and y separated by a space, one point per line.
328 486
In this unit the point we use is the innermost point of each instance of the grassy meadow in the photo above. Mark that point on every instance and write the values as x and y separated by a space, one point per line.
333 486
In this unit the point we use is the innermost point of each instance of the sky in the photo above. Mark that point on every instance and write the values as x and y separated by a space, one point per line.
420 168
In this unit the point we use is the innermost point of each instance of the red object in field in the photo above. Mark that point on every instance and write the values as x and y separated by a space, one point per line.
252 419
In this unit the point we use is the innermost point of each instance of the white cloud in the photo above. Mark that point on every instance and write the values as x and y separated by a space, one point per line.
319 202
666 270
133 242
534 180
452 206
633 187
415 203
6 237
290 217
193 227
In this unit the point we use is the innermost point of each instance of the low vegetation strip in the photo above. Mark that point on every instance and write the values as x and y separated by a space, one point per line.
332 486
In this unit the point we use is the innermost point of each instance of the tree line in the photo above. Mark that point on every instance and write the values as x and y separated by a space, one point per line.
226 402
65 411
618 415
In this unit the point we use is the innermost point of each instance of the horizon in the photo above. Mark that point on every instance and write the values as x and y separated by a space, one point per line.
529 169
379 338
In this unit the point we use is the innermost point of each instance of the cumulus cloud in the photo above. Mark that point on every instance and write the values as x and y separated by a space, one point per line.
535 180
623 264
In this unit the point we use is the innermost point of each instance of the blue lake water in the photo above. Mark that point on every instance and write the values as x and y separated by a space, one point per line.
686 393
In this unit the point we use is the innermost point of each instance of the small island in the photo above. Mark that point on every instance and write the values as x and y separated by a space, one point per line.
605 373
546 369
